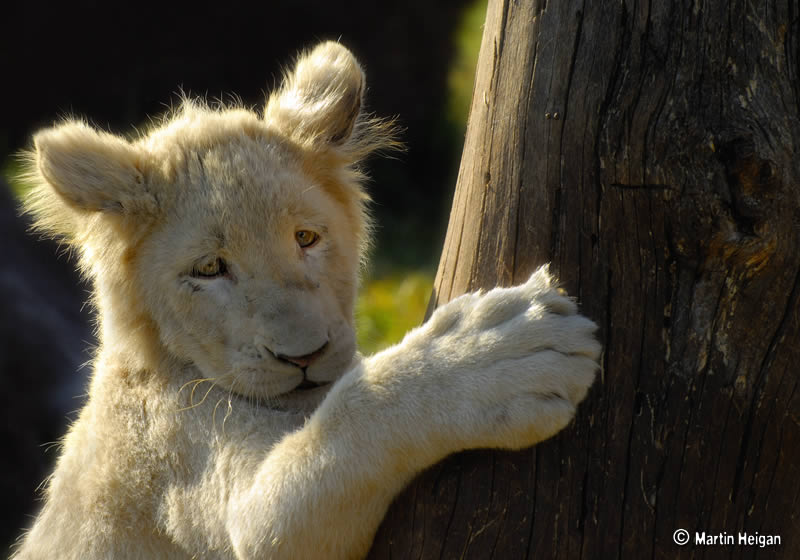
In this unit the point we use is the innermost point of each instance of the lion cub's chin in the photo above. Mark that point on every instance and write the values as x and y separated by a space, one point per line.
300 396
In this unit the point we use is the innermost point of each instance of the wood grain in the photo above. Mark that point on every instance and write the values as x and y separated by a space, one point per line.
649 151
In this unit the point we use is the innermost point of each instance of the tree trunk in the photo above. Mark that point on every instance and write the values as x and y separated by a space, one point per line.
649 150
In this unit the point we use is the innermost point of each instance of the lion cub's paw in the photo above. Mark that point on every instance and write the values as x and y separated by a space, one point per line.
521 358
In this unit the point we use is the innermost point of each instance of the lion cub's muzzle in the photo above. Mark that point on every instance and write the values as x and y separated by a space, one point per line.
303 361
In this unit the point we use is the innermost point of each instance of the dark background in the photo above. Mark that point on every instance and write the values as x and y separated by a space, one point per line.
118 63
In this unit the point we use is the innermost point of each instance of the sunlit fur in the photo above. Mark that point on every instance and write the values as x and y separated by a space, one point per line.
198 439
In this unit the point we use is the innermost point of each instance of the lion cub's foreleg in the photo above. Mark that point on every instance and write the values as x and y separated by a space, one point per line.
505 369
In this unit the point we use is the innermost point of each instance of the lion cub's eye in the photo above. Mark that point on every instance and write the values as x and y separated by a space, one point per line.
210 267
306 238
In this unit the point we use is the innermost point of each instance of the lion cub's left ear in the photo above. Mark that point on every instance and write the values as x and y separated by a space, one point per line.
320 100
91 170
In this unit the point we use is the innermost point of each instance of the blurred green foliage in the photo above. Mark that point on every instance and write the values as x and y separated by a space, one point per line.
460 79
389 306
394 298
10 170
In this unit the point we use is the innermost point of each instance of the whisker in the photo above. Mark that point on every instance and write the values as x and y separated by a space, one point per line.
228 412
214 418
197 382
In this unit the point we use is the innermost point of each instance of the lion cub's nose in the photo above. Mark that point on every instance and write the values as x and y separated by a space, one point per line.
304 361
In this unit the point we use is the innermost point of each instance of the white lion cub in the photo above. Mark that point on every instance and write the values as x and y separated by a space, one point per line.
229 415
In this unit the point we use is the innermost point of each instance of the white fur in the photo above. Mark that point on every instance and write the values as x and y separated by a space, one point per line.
196 441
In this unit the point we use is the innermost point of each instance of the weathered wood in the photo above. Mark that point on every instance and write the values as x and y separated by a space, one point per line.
649 150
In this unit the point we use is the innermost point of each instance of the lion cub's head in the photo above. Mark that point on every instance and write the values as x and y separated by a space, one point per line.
222 238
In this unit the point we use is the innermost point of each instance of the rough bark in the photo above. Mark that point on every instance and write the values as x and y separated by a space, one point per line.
649 151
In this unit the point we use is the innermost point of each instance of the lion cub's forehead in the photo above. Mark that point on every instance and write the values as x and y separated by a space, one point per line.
227 161
195 125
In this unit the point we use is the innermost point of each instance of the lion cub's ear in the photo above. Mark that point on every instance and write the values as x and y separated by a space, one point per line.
91 170
320 100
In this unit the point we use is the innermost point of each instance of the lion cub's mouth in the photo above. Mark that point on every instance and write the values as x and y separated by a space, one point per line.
301 361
